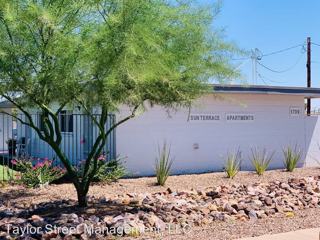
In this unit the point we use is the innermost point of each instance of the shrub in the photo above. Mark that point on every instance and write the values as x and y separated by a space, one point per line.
7 174
291 157
109 171
38 174
232 165
260 160
163 165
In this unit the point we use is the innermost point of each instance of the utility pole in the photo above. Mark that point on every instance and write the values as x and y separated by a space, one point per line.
255 56
308 73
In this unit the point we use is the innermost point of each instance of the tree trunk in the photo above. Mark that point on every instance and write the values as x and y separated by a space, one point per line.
82 197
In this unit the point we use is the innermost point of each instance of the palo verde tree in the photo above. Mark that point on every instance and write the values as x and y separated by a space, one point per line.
102 54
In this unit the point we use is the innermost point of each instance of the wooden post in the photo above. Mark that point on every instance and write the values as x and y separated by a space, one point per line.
308 73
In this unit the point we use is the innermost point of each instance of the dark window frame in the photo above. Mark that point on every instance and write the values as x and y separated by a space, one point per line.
66 121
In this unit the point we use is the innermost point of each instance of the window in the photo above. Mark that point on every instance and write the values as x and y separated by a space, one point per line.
66 121
40 121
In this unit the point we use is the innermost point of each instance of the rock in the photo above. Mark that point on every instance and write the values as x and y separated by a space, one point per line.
180 202
285 186
90 211
261 214
94 219
37 220
234 202
212 207
213 194
4 236
103 200
108 220
154 221
126 201
169 190
218 216
227 208
257 203
252 215
251 191
136 201
205 211
268 201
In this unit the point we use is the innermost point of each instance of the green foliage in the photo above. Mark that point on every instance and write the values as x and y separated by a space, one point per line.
232 165
39 174
104 54
114 51
261 160
110 171
163 165
291 157
7 174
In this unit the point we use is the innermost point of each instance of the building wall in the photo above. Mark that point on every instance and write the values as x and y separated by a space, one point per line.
313 146
6 126
201 146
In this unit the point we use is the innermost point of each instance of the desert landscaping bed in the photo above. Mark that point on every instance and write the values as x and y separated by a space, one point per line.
202 206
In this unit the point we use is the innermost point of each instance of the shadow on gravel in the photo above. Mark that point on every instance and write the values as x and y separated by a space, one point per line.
54 209
14 195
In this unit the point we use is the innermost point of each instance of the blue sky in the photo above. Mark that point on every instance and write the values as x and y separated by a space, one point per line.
271 25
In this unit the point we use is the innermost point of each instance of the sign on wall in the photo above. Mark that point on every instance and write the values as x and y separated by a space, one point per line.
204 117
229 117
295 111
239 117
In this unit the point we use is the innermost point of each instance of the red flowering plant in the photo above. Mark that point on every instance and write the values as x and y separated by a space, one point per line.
37 172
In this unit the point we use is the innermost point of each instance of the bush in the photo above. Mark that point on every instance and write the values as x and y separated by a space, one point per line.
38 174
291 157
260 160
232 165
109 171
163 165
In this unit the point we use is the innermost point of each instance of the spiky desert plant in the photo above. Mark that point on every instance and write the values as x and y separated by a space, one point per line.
163 164
291 157
260 160
232 165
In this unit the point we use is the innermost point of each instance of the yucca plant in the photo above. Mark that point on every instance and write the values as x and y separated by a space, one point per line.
163 164
232 165
260 160
291 157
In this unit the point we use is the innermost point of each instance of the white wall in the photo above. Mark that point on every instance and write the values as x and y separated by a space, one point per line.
313 144
6 127
273 128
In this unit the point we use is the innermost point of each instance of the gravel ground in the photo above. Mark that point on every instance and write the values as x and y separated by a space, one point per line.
218 230
147 184
309 218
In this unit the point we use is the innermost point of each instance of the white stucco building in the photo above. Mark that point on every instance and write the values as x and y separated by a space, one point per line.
231 118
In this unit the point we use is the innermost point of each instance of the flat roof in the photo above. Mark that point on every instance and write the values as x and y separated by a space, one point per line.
264 89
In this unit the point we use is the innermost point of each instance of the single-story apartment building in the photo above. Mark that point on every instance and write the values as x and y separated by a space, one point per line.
231 118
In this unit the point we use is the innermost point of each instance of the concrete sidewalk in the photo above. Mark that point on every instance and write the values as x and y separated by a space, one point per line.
304 234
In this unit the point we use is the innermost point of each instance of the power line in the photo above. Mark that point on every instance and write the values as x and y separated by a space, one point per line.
272 53
240 59
261 78
284 70
264 78
283 50
315 44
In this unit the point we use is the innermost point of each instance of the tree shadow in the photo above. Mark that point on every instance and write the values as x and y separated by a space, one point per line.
15 194
54 209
